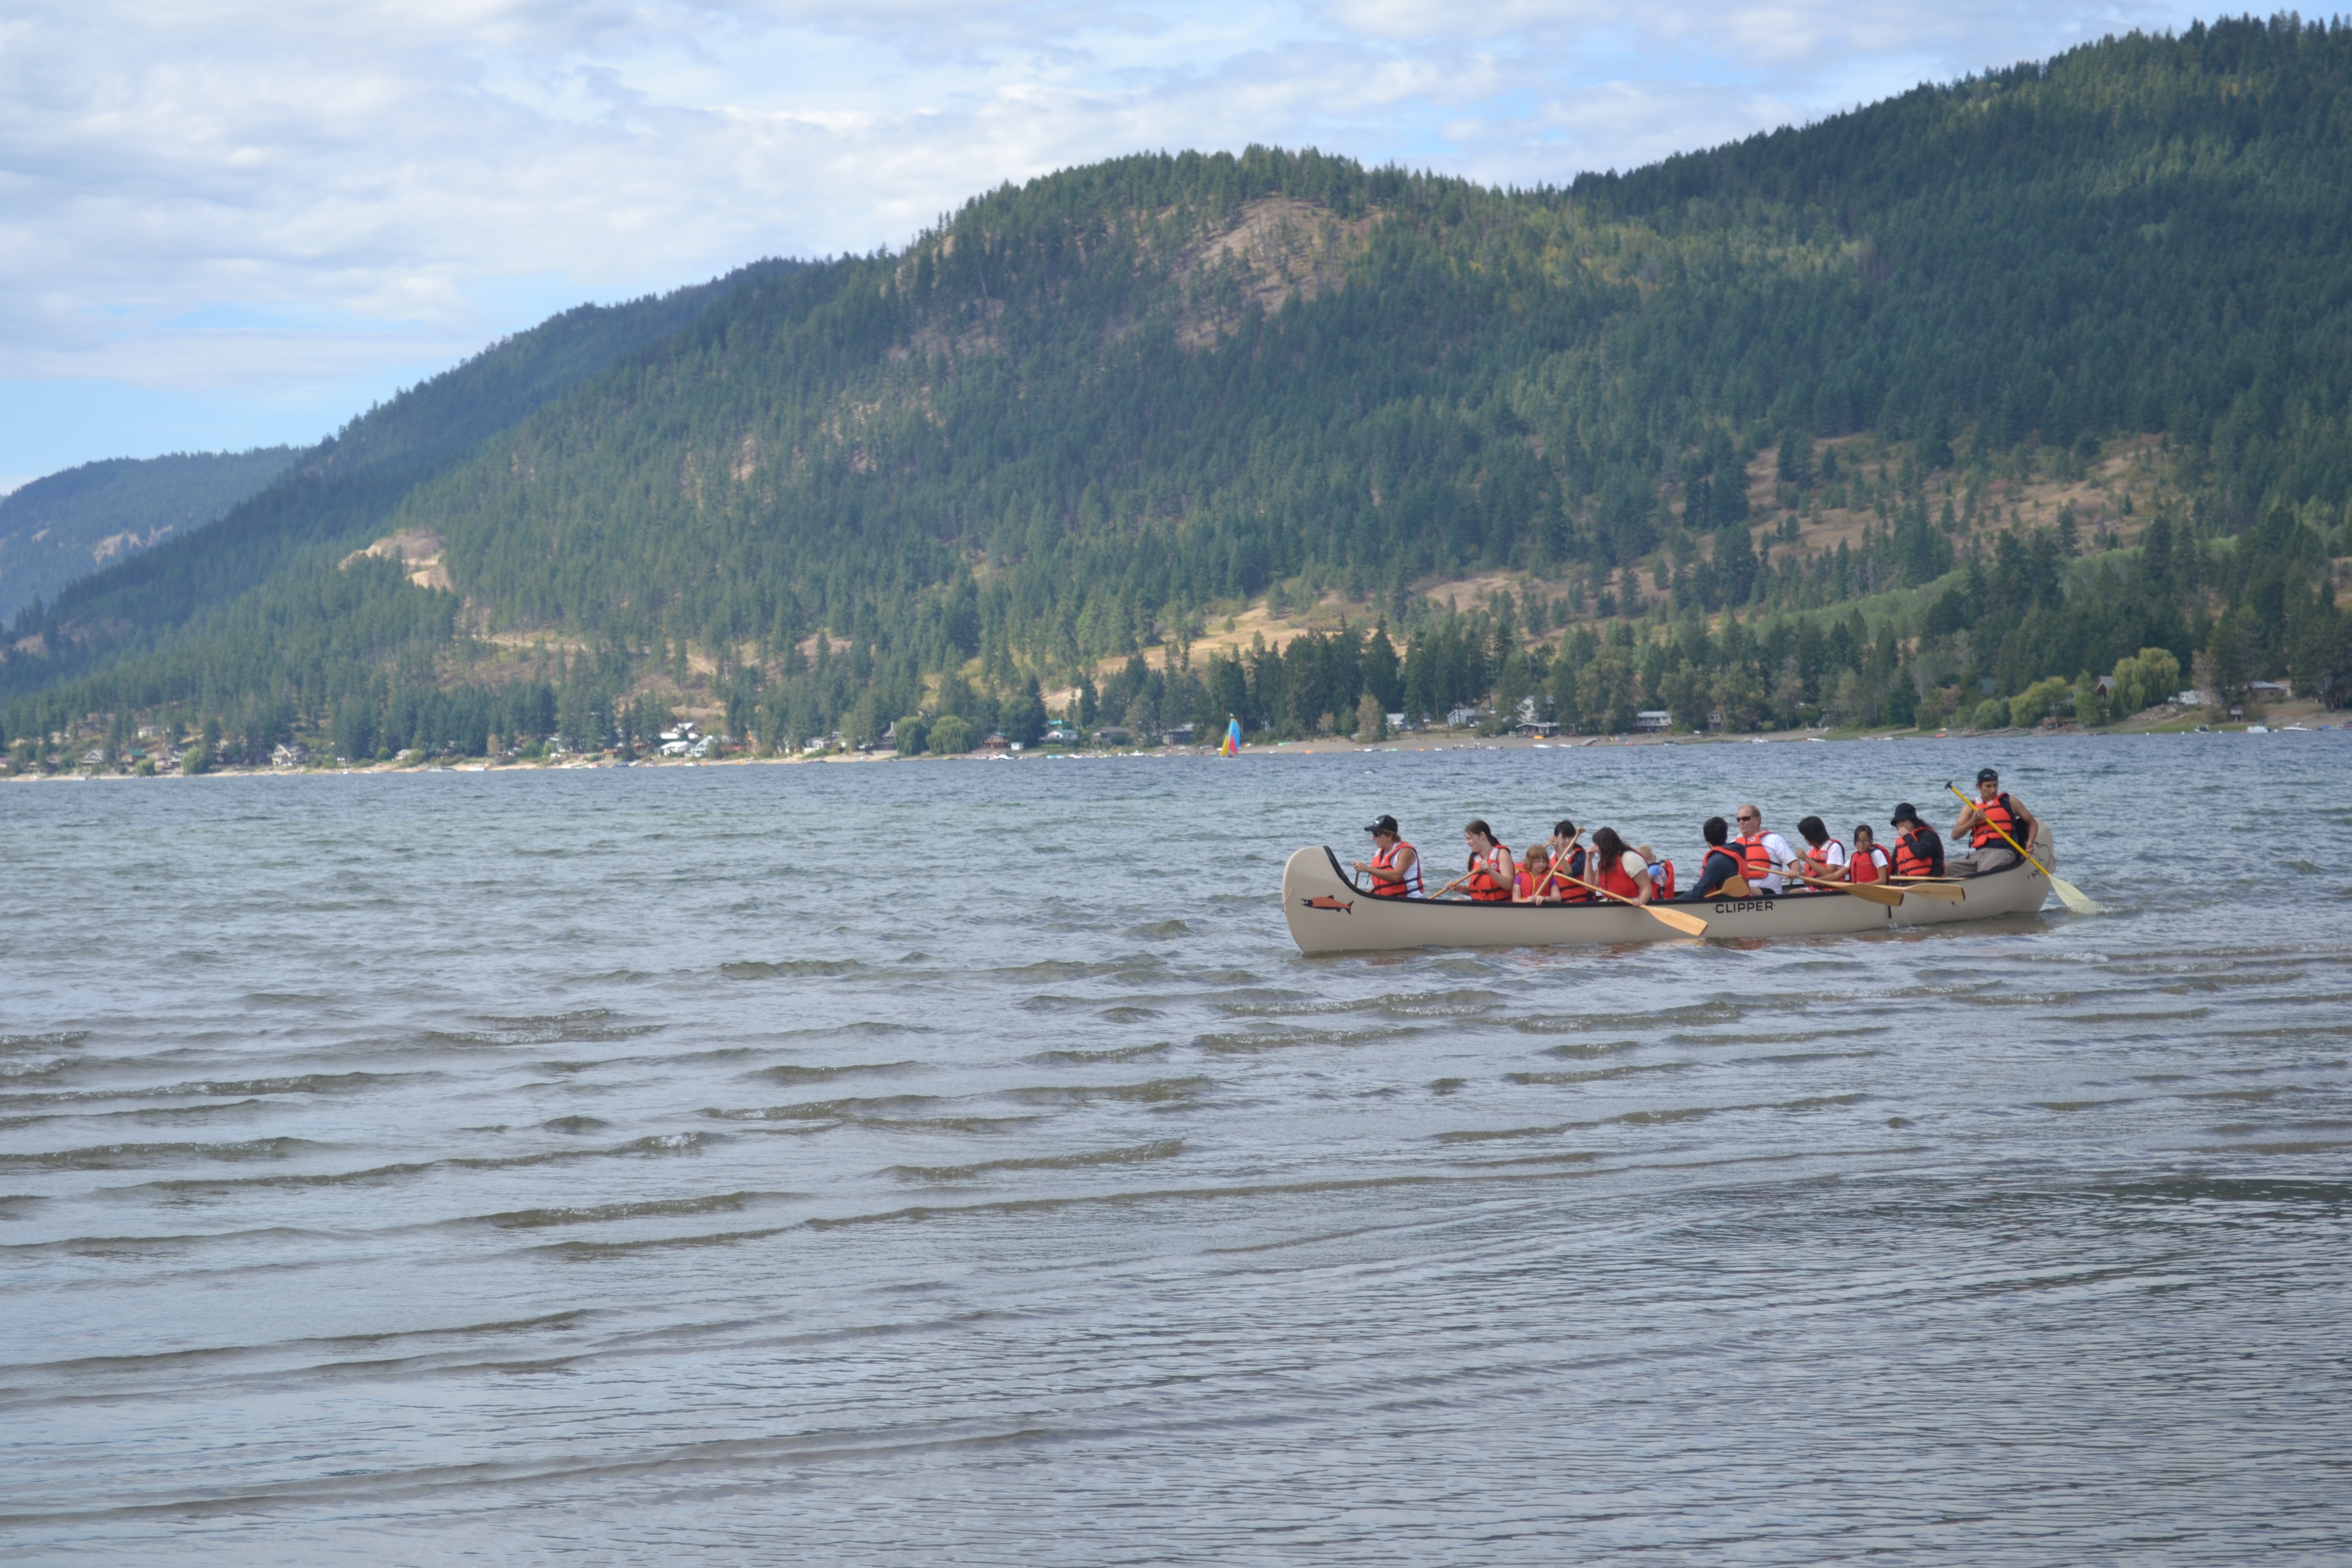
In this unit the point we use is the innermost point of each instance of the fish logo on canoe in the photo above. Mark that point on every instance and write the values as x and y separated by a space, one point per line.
1324 901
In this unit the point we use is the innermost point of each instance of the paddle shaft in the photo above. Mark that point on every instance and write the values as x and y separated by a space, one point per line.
1869 892
1675 918
1464 877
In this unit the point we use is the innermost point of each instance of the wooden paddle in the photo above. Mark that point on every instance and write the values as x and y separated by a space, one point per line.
1872 891
2072 897
1942 892
1690 925
1455 883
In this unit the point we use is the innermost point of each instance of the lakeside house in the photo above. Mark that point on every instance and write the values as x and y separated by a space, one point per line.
1653 721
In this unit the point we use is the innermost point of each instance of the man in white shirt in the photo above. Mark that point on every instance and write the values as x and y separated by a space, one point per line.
1760 850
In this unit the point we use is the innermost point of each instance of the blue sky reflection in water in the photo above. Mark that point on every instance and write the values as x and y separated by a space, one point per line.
677 1166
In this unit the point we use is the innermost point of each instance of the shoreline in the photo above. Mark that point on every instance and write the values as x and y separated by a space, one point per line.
2312 718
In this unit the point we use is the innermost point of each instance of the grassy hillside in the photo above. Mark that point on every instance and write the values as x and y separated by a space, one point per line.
58 529
1103 411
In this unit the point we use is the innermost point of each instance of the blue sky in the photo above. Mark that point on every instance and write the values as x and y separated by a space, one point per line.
225 224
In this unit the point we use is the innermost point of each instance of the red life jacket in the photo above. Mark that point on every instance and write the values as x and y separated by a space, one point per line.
1613 879
1870 866
1755 860
1909 862
1818 862
1534 885
1484 886
1385 860
1996 813
1662 879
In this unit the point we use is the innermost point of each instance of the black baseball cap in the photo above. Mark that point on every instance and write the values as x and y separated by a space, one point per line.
1986 775
1903 813
1382 824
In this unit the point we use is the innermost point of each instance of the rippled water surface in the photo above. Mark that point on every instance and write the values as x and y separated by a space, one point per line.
957 1163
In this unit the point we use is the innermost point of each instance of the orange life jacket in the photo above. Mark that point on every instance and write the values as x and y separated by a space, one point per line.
1662 879
1570 865
1818 862
1755 860
1870 866
1613 879
1385 861
1707 866
1528 882
1484 886
1909 862
1992 814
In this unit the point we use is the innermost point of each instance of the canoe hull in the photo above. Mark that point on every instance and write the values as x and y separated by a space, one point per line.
1327 913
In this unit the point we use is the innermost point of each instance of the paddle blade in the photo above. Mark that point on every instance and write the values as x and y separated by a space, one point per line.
1690 925
1930 890
1889 896
2075 898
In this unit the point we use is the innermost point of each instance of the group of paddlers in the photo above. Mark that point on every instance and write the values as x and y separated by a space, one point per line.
1752 862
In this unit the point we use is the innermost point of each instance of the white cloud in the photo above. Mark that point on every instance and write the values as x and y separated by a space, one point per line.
228 200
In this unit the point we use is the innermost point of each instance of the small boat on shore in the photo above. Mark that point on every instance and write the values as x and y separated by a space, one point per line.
1329 912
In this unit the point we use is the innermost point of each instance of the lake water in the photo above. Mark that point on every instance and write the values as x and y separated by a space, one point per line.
957 1163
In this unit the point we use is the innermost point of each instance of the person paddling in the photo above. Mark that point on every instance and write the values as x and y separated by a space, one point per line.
1719 872
1568 859
1918 852
1488 879
1824 856
1761 853
1983 822
1395 866
1618 869
1870 863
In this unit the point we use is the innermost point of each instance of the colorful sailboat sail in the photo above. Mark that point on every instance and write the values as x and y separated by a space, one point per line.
1233 746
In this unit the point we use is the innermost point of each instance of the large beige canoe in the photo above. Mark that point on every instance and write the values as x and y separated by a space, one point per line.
1329 913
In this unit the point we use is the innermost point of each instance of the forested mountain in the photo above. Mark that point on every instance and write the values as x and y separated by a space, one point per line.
341 489
64 527
1109 409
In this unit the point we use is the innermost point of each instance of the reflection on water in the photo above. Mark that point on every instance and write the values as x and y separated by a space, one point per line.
651 1165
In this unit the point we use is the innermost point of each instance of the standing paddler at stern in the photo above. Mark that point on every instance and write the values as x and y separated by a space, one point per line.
1395 865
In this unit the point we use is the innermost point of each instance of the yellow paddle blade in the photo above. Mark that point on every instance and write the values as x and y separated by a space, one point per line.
2073 898
1938 891
1690 925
